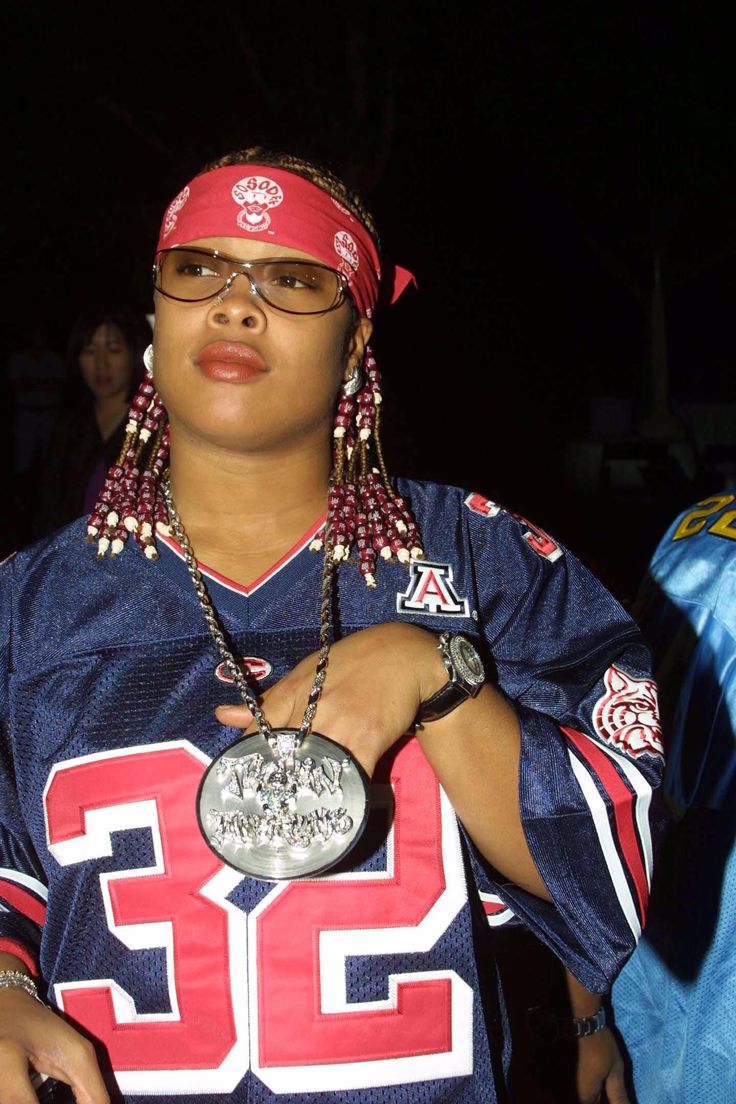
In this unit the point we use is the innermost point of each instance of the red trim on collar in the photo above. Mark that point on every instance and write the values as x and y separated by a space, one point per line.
210 573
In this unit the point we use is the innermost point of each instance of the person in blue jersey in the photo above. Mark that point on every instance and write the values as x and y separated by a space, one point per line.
673 1002
282 731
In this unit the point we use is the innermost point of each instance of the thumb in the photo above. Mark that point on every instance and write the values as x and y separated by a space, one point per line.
615 1087
236 716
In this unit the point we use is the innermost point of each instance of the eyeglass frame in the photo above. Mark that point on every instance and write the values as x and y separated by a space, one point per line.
343 293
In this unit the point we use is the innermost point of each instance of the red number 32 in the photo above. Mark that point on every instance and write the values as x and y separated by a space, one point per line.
266 991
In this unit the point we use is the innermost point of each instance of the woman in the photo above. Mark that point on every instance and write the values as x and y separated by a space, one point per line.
499 700
105 368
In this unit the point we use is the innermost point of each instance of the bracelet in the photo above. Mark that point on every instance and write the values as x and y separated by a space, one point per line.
16 979
551 1028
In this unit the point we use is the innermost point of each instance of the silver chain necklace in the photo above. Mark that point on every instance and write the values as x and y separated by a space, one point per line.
283 802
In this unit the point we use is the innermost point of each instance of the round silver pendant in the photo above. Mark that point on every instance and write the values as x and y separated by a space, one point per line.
283 807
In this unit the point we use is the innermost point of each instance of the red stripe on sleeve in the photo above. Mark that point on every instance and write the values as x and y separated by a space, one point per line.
9 946
23 901
492 908
623 810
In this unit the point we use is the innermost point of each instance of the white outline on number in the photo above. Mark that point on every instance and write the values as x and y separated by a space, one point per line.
96 843
336 946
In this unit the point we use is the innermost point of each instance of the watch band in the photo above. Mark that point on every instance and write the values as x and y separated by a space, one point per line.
443 702
549 1027
464 682
589 1025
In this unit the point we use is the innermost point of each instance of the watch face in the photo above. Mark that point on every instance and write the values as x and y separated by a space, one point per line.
466 660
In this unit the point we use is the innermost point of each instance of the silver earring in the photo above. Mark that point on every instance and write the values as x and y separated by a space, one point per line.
148 361
354 381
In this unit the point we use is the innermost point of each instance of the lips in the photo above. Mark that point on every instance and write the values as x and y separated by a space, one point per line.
230 361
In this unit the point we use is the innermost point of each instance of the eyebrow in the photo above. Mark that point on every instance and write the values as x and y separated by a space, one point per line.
238 261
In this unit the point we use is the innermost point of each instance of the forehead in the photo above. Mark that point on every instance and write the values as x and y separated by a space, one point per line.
103 333
247 249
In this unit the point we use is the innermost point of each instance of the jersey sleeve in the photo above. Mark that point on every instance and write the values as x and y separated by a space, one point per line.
579 673
23 891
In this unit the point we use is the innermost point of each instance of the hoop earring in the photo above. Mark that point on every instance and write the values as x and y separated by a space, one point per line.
354 380
148 361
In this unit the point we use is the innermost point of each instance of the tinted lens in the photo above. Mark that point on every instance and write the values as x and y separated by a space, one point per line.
299 287
190 274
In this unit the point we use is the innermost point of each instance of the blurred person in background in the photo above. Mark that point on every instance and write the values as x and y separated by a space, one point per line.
105 367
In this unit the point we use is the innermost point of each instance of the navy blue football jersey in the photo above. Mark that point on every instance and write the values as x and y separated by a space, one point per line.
375 982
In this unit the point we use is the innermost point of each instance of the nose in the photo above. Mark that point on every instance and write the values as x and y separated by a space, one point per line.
239 303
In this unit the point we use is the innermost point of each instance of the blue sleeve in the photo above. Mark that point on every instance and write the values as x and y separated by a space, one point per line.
23 891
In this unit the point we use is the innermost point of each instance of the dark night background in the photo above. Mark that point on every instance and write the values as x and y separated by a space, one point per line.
530 163
533 164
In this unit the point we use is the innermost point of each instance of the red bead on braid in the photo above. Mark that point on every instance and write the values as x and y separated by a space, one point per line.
367 519
364 514
129 501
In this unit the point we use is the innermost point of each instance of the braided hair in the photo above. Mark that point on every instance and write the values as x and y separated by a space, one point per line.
366 519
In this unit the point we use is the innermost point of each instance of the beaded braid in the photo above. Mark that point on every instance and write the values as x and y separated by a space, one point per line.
131 500
364 514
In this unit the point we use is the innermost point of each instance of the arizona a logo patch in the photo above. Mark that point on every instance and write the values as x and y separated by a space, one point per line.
431 591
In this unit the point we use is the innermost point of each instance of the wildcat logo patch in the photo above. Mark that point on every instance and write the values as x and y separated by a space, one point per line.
431 591
626 716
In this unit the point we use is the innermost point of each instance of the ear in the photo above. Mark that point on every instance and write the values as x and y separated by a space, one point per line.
359 339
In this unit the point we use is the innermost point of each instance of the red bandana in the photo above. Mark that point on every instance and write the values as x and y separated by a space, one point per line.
280 207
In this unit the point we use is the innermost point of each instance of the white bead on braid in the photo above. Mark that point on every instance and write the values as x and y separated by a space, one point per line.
367 519
363 512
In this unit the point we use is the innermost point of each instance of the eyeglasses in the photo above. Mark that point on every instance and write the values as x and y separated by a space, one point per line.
294 286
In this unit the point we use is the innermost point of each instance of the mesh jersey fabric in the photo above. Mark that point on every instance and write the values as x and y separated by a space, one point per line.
674 1000
374 983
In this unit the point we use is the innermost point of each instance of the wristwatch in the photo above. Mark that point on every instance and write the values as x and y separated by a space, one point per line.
467 675
549 1027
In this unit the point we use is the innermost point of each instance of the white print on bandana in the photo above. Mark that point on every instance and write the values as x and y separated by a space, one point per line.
344 210
347 250
430 591
172 211
258 669
256 195
627 716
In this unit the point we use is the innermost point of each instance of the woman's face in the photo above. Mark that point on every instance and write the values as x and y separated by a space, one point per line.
105 363
245 376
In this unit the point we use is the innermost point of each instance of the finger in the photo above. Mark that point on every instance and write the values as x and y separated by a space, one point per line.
66 1056
76 1065
283 705
236 716
86 1079
15 1084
